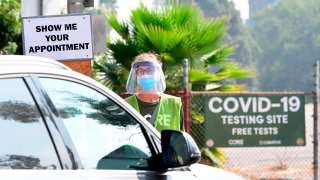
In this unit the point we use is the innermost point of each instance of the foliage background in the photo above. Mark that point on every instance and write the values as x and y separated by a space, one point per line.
10 27
288 39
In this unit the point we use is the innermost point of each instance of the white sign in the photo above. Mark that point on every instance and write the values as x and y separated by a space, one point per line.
58 37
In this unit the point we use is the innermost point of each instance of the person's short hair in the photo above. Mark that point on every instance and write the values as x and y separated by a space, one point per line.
149 56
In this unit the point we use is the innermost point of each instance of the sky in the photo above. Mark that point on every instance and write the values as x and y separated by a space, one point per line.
243 7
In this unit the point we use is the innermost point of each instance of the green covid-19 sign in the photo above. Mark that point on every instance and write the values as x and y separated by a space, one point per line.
253 120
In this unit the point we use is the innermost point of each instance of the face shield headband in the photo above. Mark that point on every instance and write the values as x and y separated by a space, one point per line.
149 79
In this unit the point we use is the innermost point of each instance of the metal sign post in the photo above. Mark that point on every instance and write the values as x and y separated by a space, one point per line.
315 121
186 96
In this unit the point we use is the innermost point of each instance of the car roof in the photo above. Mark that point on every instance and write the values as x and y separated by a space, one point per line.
29 62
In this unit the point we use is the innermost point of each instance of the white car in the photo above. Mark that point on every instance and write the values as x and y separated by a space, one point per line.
60 124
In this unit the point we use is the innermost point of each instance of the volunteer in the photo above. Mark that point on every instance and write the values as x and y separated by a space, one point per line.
146 82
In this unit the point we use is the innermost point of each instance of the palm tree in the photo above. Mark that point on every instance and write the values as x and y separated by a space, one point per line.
175 31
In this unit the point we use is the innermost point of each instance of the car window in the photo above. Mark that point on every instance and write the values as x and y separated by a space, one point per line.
106 136
25 142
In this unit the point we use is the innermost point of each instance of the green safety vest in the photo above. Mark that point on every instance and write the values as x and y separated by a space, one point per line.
168 115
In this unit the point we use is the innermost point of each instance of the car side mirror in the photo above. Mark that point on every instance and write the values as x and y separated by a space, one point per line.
178 149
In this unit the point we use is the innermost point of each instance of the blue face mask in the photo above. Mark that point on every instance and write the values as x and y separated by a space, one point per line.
147 82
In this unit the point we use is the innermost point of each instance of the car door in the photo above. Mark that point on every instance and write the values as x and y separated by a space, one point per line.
104 135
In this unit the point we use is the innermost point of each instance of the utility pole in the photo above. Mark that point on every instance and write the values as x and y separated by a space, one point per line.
77 6
186 96
81 66
315 121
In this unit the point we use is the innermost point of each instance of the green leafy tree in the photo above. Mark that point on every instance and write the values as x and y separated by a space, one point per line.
288 37
236 33
10 25
175 31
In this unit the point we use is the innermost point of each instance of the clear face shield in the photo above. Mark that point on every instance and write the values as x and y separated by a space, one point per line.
146 77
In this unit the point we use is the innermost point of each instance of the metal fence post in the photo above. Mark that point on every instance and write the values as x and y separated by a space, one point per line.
315 121
186 96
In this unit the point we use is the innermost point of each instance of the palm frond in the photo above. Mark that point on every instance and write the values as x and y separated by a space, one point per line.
123 52
207 34
162 40
109 74
232 70
196 76
215 155
230 88
181 14
218 56
145 16
120 27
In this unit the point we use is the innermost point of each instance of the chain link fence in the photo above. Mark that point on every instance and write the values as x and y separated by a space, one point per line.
259 162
